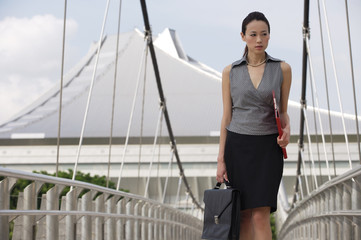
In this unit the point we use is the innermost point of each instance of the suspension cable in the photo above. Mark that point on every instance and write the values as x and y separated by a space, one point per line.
169 174
178 191
318 107
61 92
326 85
337 83
159 151
154 148
316 128
162 99
306 178
187 200
90 91
159 143
353 80
142 120
301 189
144 55
305 30
114 91
310 165
310 149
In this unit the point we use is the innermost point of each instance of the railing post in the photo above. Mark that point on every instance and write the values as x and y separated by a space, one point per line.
5 188
151 224
120 229
175 233
160 225
4 204
356 204
136 222
326 221
172 228
86 224
71 205
30 203
99 221
156 226
181 229
338 205
307 225
52 203
110 223
144 224
346 205
333 223
165 225
324 208
315 224
129 231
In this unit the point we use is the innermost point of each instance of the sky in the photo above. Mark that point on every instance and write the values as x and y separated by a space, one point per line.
31 40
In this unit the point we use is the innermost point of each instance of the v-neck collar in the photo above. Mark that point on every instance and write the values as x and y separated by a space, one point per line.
250 80
243 61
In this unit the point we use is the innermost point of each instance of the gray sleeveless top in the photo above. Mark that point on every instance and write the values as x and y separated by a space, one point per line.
252 109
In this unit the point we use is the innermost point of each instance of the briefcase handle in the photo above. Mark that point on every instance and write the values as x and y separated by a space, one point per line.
218 185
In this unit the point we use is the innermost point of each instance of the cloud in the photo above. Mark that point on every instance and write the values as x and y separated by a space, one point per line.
30 59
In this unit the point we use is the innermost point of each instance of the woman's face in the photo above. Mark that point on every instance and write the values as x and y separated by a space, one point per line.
256 37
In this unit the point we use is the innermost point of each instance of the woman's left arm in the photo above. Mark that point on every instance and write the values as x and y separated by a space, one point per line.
285 91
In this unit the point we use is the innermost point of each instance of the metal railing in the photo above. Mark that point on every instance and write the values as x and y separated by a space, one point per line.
100 213
333 211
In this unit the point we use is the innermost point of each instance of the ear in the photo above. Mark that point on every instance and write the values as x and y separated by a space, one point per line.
243 37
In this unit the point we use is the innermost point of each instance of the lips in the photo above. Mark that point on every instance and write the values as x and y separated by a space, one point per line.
258 47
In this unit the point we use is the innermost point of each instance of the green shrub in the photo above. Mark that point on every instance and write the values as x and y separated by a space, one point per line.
273 227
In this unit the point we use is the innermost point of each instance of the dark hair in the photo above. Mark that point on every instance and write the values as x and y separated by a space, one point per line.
253 16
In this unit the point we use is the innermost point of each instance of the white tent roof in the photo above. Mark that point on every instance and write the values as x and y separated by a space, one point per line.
192 91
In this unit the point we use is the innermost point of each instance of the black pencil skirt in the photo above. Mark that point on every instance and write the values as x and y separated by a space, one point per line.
254 165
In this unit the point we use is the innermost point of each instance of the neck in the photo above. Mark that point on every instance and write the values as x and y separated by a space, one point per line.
256 60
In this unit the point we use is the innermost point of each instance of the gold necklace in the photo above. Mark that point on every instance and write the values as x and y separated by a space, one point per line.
256 65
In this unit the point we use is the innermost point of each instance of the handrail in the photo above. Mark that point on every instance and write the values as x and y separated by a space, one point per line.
349 175
64 181
337 198
93 214
122 214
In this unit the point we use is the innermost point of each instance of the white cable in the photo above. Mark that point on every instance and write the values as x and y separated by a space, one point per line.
306 179
114 93
154 147
310 149
337 84
90 92
178 190
318 106
61 93
169 173
145 51
301 189
187 198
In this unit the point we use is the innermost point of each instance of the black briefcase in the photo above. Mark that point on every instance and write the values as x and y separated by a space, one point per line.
221 213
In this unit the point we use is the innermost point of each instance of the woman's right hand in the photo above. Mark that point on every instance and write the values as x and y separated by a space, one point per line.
221 170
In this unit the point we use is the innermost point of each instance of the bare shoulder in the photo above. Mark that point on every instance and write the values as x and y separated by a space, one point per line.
226 71
286 68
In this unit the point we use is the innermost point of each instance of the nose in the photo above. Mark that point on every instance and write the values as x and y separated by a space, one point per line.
259 39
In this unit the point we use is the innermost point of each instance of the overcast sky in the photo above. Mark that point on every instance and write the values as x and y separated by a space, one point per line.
31 39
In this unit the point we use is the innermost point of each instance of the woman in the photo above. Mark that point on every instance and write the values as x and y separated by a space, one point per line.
250 154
